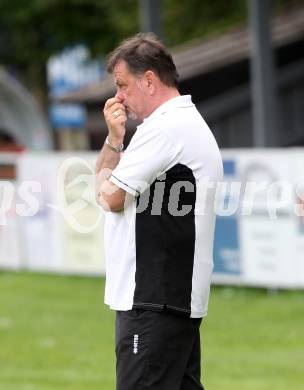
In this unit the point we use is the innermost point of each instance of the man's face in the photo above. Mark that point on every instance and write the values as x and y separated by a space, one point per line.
131 91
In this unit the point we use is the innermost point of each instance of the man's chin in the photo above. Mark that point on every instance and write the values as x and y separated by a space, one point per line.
132 115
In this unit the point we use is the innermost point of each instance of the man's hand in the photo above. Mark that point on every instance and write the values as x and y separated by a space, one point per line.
108 195
116 117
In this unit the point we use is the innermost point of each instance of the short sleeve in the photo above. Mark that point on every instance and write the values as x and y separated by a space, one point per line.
150 153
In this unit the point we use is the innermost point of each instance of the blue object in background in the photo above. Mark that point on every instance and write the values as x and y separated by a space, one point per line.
67 115
68 71
226 241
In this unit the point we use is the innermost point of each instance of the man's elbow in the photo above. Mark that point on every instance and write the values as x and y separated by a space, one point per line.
110 203
110 197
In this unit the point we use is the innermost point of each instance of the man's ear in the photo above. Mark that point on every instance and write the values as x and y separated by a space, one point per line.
150 80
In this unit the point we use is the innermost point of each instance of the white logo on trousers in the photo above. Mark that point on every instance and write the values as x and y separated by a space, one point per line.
135 344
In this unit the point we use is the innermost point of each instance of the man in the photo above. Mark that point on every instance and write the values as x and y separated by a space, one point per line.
159 226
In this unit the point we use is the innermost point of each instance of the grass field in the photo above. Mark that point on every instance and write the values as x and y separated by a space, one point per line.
55 333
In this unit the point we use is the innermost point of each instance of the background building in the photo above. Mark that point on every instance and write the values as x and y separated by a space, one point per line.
216 72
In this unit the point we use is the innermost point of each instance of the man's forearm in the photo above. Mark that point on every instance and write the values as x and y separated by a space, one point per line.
109 156
107 159
106 162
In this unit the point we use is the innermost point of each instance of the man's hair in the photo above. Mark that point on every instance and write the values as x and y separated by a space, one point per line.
144 52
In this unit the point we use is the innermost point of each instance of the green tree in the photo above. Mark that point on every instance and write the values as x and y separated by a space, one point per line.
198 18
32 30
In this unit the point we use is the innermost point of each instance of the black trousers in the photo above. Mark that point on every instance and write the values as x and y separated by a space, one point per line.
157 351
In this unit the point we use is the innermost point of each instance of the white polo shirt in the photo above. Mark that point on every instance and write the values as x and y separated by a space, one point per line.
159 249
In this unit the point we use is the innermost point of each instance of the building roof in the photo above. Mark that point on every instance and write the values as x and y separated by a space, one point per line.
199 57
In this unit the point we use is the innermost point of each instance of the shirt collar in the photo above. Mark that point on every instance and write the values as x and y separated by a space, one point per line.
176 102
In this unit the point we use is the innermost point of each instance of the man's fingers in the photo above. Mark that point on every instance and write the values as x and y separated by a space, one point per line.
122 117
115 116
110 102
118 112
114 111
116 107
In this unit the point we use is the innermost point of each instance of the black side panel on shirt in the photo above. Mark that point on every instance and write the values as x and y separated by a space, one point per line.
165 243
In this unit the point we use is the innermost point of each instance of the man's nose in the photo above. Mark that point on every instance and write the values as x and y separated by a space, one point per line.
120 96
